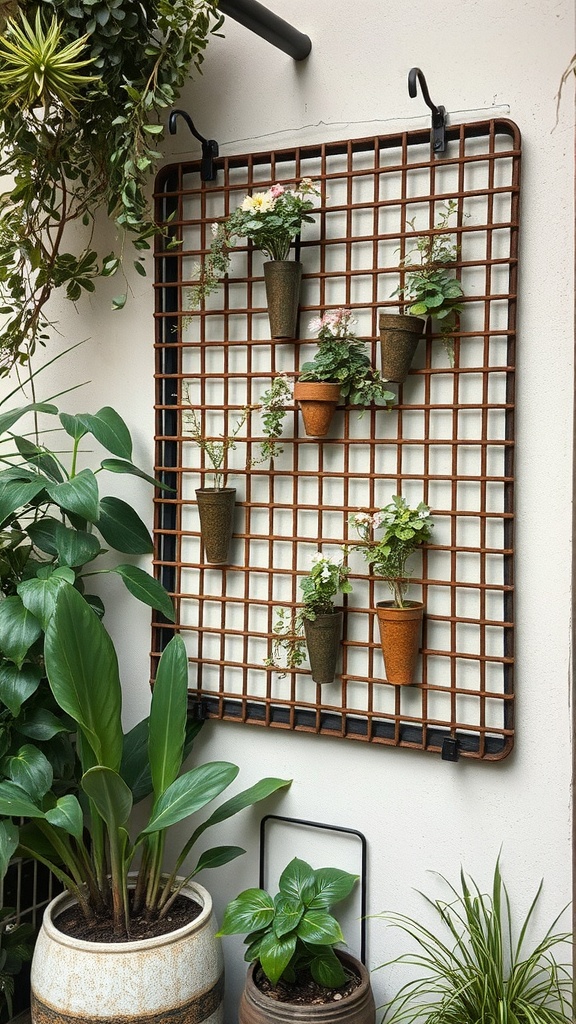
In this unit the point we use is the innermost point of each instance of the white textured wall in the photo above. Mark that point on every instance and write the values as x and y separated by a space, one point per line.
418 813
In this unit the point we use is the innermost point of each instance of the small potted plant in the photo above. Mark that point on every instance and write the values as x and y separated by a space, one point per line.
295 969
430 292
271 220
404 530
317 625
216 504
341 368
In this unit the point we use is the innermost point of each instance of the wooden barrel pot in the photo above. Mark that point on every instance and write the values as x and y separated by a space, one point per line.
282 282
400 631
256 1007
399 337
177 978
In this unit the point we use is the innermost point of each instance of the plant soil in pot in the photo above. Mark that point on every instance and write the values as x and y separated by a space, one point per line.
352 1004
399 337
282 280
400 631
323 635
216 511
318 403
176 977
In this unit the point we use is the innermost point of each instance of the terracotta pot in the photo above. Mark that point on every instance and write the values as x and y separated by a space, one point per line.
318 402
357 1008
216 511
282 280
323 636
172 979
399 336
400 631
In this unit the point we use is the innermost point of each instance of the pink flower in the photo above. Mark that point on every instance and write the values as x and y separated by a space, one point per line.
276 190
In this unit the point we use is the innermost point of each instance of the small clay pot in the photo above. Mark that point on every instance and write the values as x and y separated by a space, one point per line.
400 632
317 401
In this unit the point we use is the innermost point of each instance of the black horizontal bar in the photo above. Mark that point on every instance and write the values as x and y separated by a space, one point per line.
257 18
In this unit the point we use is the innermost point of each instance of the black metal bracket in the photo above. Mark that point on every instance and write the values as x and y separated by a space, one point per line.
257 18
208 172
438 139
329 828
450 751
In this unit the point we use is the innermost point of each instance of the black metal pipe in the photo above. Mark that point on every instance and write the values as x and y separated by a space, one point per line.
257 18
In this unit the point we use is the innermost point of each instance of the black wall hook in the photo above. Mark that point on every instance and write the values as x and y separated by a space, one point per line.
208 172
415 75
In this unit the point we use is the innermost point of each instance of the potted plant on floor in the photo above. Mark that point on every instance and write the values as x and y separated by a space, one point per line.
81 88
216 504
317 625
133 949
430 292
473 969
340 369
296 973
271 220
400 621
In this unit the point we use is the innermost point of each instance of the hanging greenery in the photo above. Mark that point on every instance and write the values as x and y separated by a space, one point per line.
83 84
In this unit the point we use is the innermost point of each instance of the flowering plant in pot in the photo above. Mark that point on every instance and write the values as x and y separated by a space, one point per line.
89 841
404 530
341 368
317 625
271 220
430 292
216 504
291 940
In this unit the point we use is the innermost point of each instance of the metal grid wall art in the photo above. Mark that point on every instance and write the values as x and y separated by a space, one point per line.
448 440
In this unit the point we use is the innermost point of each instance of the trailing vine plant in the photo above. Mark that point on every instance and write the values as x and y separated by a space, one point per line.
82 86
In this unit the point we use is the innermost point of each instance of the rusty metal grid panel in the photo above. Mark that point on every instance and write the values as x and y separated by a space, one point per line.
448 440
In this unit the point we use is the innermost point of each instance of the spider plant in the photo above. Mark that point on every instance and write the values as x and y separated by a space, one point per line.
476 968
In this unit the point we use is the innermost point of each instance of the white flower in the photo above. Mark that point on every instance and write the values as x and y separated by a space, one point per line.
262 202
326 574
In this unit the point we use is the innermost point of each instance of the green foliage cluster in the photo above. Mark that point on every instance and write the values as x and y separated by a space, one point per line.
84 836
404 529
82 84
273 404
293 934
16 945
341 358
476 968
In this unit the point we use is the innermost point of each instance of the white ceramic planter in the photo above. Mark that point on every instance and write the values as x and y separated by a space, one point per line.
178 977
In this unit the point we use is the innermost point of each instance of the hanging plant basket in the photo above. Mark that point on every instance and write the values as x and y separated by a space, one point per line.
400 632
318 403
323 635
358 1007
216 510
282 280
399 337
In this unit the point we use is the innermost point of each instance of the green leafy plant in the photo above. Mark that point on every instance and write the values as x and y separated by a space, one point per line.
477 969
87 842
327 578
341 358
273 404
82 84
270 220
16 945
405 528
216 448
294 933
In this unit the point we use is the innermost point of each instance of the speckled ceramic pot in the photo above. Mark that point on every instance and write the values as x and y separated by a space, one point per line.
176 978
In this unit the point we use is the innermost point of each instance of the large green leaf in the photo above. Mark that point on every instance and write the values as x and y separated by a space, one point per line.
67 814
145 588
124 467
168 713
259 791
135 768
319 928
75 547
16 803
189 793
8 844
39 595
31 770
331 885
9 418
41 724
15 494
78 495
288 915
82 670
218 856
297 880
326 968
39 457
276 954
122 527
19 629
110 795
17 684
110 430
252 910
43 532
73 425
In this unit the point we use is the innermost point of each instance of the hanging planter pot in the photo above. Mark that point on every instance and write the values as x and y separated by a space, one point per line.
357 1007
216 508
317 401
323 635
400 632
399 337
167 979
282 280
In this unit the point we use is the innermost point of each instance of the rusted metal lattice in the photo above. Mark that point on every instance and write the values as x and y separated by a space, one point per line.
448 440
